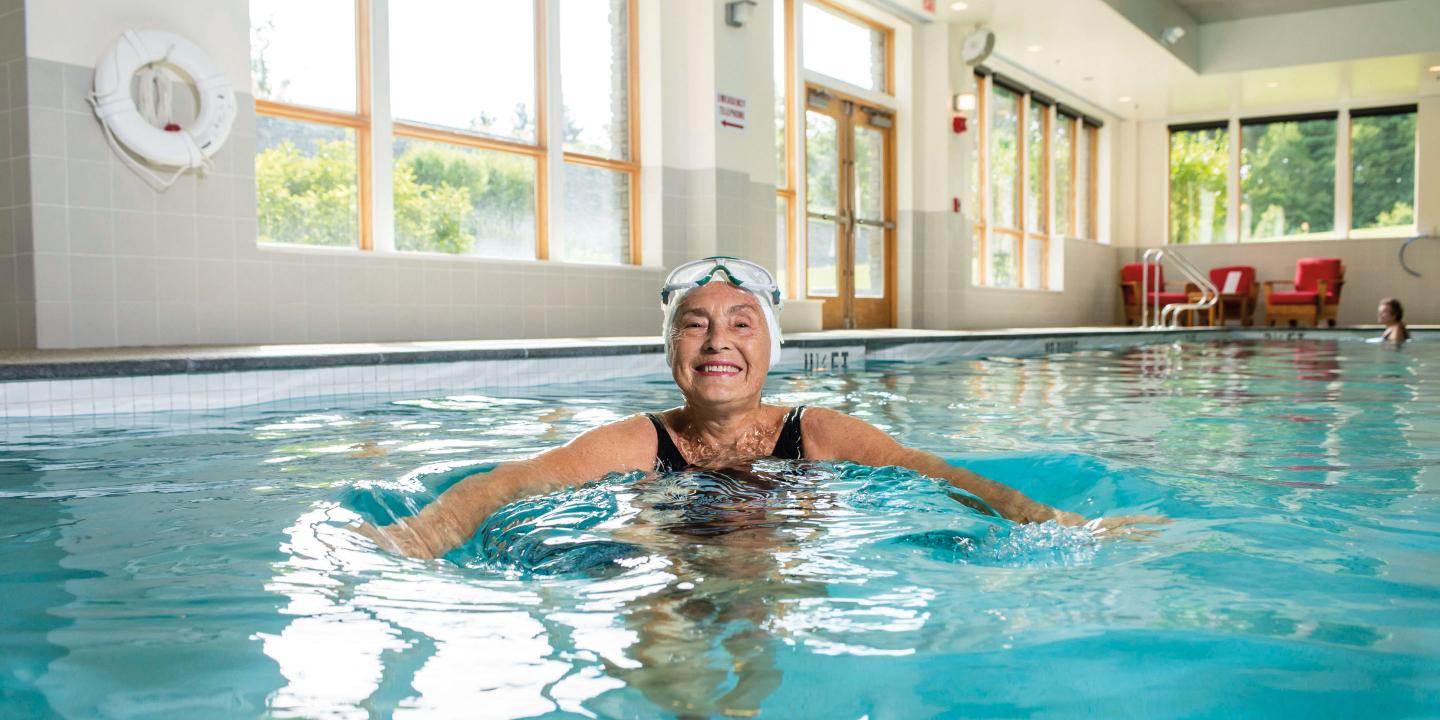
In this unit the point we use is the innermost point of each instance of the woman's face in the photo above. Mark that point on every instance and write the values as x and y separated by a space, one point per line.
1383 313
722 346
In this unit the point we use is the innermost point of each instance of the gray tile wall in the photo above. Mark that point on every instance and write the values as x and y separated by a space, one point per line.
17 264
717 212
119 264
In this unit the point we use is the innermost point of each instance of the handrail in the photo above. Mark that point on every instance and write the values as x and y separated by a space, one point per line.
1169 315
1209 294
1154 255
1405 245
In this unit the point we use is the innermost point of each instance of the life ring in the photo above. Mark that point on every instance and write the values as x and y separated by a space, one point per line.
173 146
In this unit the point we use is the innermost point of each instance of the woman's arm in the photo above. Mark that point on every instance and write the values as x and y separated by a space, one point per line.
832 435
454 516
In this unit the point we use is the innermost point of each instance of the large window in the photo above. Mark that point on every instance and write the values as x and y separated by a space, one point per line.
832 35
1382 168
1286 171
469 168
1035 181
1287 176
1199 157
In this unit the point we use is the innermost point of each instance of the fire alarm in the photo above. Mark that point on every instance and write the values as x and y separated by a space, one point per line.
957 124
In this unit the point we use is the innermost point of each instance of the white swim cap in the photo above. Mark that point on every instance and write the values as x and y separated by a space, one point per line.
672 297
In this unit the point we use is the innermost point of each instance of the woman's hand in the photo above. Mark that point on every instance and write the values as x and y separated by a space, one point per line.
401 538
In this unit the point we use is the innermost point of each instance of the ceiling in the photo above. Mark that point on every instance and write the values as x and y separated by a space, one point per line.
1207 11
1120 71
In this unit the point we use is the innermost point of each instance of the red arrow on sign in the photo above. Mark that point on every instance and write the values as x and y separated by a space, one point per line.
727 123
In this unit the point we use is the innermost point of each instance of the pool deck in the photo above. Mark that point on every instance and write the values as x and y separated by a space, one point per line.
119 362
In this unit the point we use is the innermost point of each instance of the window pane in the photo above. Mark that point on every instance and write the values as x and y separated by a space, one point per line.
436 47
1382 150
1084 197
305 183
595 77
1287 178
821 163
465 201
1198 163
1035 167
597 215
869 261
1034 262
781 149
869 174
1064 166
304 52
1004 156
1002 267
843 48
821 277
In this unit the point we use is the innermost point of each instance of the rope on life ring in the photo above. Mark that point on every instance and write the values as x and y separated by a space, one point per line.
151 134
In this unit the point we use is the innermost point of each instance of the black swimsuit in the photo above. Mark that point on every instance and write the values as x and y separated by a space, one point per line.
788 446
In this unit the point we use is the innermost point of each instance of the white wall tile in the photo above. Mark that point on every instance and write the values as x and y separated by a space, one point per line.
92 324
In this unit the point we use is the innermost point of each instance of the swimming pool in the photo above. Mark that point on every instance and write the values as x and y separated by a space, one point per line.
193 564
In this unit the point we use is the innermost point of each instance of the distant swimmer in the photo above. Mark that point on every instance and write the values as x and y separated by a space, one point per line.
1391 315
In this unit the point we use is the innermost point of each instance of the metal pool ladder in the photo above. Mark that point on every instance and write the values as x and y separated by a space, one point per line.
1169 315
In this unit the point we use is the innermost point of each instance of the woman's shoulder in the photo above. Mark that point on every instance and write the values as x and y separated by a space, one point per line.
831 434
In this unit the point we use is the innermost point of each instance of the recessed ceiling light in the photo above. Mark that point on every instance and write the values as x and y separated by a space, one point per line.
958 6
1034 48
1272 84
1434 68
1124 98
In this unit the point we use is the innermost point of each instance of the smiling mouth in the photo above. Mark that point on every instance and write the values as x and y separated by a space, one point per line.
718 369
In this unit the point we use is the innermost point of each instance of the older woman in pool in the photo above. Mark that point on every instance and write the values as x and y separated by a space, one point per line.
722 338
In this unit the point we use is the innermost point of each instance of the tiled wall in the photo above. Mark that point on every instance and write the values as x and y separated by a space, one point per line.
715 211
946 299
119 264
17 266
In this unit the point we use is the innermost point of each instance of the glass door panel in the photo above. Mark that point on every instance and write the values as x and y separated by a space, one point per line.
823 268
869 261
822 164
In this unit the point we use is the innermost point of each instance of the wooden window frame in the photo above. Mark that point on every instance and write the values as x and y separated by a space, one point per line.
359 121
982 176
785 189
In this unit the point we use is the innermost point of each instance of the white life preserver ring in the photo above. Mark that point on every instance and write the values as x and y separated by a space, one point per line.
184 147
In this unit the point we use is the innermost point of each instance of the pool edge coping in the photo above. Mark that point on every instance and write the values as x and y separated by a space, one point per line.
132 362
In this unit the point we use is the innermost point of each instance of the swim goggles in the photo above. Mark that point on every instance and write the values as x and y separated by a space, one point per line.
741 273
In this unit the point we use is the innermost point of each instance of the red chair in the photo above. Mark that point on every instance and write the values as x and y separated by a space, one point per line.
1239 302
1131 275
1316 295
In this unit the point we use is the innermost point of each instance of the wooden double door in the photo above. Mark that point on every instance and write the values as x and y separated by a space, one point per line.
849 209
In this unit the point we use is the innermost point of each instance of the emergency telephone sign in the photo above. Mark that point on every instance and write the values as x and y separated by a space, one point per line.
731 111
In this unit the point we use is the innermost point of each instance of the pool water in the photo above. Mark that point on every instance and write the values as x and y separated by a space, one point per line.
196 565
